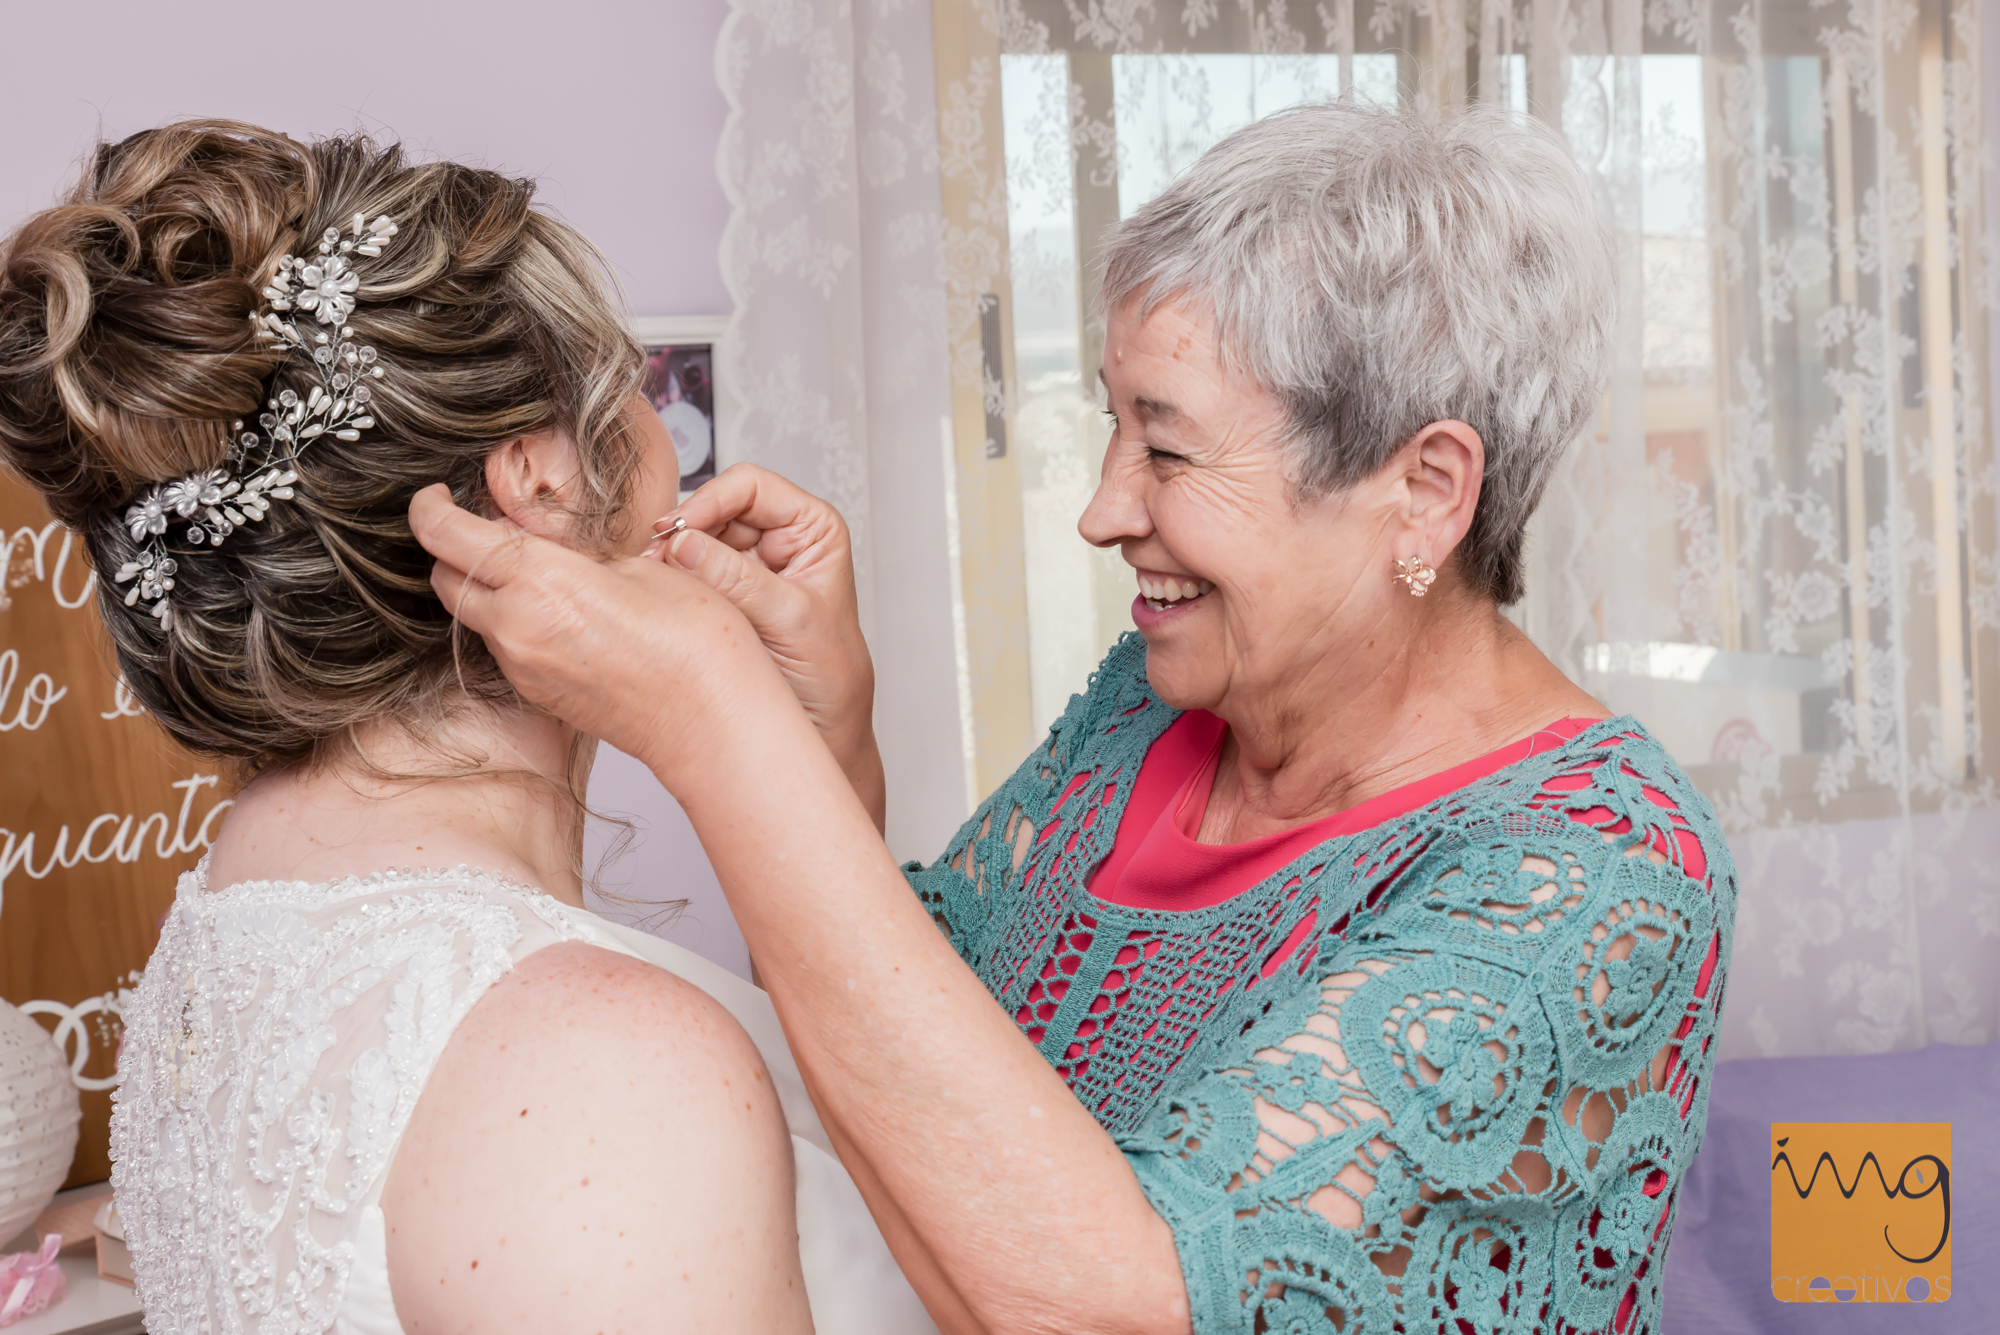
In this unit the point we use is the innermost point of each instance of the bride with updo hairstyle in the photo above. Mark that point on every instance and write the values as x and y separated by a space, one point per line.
354 1096
127 347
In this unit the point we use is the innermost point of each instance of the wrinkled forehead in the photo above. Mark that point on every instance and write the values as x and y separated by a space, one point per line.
1167 363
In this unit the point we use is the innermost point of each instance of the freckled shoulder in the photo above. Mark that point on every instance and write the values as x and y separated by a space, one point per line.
437 1041
597 1117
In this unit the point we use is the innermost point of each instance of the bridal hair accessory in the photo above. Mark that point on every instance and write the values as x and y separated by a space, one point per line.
218 501
1416 575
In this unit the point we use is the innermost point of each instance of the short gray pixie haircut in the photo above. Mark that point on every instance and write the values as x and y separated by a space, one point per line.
1380 270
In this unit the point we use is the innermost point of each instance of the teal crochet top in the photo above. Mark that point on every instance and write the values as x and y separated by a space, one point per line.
1471 1107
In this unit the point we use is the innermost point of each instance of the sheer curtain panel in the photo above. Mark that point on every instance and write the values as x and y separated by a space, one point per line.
1776 546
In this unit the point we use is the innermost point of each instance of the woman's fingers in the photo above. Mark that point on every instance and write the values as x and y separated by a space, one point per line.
646 658
743 537
479 560
755 497
460 596
769 601
489 552
462 542
781 557
735 533
779 524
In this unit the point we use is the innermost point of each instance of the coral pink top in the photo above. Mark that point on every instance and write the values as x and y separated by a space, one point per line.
1155 862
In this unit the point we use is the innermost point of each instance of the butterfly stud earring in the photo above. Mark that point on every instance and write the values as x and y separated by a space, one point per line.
1416 575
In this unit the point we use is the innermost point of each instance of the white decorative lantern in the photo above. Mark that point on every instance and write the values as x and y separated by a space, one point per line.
39 1113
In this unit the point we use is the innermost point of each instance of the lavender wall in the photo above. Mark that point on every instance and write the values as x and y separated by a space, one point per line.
611 104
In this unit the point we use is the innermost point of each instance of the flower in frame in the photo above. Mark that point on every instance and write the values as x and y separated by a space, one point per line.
147 516
329 285
186 495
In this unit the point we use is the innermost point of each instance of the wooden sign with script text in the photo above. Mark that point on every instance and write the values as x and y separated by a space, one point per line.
99 811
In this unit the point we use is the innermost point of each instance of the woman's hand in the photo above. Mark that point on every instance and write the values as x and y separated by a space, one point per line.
784 558
632 651
1010 1208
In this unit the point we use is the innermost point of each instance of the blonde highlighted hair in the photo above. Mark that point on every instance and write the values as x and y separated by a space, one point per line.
126 351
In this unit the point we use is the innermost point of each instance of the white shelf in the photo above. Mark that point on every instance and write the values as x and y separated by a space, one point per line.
653 330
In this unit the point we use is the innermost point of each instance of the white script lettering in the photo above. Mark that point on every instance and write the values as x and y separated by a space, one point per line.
124 704
37 541
38 696
127 843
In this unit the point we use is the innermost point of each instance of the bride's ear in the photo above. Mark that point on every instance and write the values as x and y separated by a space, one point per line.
530 477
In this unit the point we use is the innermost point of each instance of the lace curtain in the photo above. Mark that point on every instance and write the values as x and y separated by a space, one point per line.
1776 546
833 369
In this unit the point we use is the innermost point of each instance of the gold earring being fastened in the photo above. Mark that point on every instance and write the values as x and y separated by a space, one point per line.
1415 574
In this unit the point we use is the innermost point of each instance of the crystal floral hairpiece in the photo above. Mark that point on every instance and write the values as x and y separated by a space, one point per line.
219 501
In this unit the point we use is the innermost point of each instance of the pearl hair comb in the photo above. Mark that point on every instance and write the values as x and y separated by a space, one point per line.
218 501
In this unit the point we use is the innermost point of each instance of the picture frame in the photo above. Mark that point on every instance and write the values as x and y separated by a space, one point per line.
680 384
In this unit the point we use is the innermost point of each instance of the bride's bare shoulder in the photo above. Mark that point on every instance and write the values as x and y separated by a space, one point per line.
598 1148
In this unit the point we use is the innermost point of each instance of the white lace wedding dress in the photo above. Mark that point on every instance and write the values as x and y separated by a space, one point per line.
274 1053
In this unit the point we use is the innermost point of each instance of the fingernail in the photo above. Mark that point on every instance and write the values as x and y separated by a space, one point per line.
693 559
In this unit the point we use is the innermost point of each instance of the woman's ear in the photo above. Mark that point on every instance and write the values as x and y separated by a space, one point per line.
529 479
1445 464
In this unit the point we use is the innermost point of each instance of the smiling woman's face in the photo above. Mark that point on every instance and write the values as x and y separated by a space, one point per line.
1242 591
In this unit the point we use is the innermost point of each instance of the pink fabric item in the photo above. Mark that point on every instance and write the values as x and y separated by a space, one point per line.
1155 862
30 1281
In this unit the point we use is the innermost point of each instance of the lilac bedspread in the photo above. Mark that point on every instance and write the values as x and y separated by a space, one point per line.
1719 1265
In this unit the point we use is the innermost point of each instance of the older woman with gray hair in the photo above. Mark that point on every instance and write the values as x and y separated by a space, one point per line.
1353 970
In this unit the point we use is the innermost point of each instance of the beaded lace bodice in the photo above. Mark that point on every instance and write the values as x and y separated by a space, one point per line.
274 1053
1442 1075
272 1057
